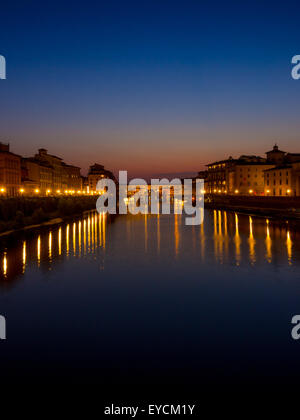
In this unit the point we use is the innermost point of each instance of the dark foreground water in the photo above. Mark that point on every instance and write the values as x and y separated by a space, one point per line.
146 299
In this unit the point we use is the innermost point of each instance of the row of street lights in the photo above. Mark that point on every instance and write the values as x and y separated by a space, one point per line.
48 192
250 191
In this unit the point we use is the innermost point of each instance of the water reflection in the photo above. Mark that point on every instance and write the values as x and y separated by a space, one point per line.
251 242
67 239
5 265
223 238
50 246
39 250
289 245
237 241
268 244
59 241
24 257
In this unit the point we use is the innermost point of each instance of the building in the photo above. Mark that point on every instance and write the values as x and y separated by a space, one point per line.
58 183
284 178
71 177
277 174
279 181
37 176
217 179
10 171
244 175
97 172
249 178
48 174
275 155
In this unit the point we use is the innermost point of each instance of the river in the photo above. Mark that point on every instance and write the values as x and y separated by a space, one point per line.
147 299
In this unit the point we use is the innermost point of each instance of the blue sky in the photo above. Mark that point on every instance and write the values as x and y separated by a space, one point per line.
151 87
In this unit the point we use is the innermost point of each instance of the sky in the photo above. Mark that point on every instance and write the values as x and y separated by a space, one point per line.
152 87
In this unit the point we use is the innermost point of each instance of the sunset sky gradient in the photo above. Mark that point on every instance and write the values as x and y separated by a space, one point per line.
150 87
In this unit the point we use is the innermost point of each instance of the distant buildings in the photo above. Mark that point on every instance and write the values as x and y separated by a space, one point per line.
276 175
48 174
44 174
10 171
96 173
284 178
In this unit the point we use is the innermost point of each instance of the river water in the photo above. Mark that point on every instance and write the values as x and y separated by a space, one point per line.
147 299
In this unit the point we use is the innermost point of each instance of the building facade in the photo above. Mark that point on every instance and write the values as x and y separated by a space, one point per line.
58 183
248 178
96 173
244 175
10 171
275 175
48 174
72 177
37 176
283 180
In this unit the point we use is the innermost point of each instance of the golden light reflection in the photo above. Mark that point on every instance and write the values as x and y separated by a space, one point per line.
226 237
79 237
202 235
92 232
218 235
251 241
5 264
237 241
24 256
104 231
39 250
59 241
100 229
96 230
89 234
220 222
50 245
289 245
268 244
215 222
67 239
84 236
74 238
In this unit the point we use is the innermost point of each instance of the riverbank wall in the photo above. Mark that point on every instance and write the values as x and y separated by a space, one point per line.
20 212
273 207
